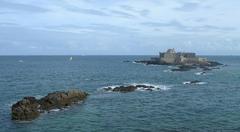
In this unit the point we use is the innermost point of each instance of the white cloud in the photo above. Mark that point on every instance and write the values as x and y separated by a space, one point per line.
143 25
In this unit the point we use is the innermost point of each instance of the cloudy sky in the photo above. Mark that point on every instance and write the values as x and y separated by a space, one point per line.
114 27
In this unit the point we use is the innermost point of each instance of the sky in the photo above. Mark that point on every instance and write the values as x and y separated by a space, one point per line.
119 27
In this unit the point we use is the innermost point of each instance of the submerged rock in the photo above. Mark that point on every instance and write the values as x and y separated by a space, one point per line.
30 108
131 88
145 86
125 89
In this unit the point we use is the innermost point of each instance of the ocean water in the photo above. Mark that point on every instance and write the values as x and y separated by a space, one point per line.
213 105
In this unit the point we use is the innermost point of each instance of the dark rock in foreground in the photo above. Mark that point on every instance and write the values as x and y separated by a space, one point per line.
30 108
26 109
58 100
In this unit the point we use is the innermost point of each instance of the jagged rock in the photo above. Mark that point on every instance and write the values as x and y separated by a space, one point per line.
26 109
195 81
30 108
58 100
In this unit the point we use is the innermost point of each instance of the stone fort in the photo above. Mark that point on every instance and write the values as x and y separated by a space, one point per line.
173 57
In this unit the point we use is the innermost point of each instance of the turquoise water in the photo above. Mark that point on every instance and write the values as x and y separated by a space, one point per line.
214 106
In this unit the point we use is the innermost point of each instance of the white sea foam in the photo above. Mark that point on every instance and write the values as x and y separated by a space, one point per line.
134 62
11 103
108 88
79 102
187 82
196 83
201 83
39 96
200 73
112 86
168 70
55 110
89 79
155 87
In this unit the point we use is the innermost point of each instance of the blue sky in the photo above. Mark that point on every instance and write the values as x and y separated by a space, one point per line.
115 27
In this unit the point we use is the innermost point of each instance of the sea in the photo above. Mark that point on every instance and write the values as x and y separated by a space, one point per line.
211 105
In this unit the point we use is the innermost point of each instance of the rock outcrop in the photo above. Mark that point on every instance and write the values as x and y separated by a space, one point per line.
59 100
30 108
131 88
26 109
125 88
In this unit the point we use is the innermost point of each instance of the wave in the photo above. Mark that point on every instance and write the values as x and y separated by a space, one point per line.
39 96
89 79
10 104
54 110
168 70
194 82
108 88
134 62
202 73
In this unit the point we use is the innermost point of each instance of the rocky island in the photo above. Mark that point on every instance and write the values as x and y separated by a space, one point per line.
30 108
183 60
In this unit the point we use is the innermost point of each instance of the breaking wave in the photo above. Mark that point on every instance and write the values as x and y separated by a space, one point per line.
54 110
202 73
194 83
155 87
167 70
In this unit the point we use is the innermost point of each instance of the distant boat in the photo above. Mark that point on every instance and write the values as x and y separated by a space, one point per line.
71 58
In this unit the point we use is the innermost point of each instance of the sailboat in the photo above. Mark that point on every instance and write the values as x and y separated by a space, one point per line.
71 58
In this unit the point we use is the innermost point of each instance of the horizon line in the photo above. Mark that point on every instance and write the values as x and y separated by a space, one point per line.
109 55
